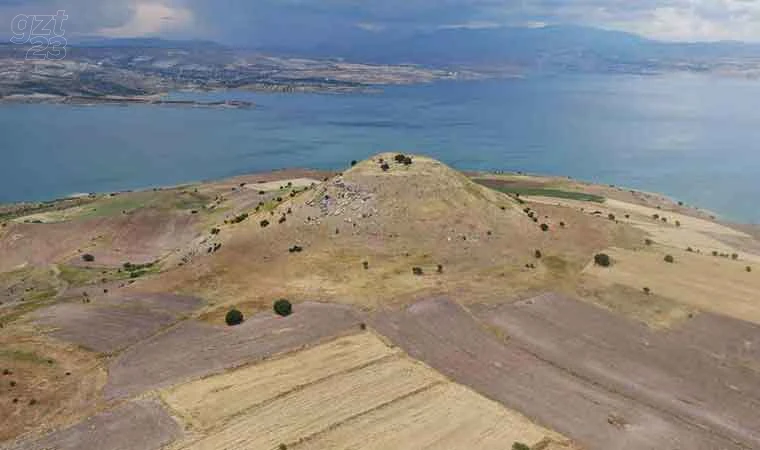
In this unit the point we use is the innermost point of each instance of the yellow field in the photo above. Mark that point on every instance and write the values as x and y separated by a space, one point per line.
208 402
354 392
710 283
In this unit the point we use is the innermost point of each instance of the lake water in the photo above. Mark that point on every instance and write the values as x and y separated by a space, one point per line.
695 138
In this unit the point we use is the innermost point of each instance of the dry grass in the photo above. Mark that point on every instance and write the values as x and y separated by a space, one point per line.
354 392
713 284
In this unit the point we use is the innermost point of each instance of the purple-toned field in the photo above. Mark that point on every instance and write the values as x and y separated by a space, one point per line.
143 425
109 324
448 338
194 349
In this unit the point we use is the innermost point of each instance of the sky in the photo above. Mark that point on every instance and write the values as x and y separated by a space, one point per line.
254 22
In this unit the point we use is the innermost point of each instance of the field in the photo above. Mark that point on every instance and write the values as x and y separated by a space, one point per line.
111 323
351 392
520 189
193 349
445 336
709 385
709 283
143 425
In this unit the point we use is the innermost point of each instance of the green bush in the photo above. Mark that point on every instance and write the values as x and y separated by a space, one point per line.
544 227
669 259
283 308
234 317
520 446
602 259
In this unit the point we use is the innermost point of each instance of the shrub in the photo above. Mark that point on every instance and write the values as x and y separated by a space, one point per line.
215 231
538 254
655 216
408 161
715 253
264 223
400 158
88 257
602 259
440 268
749 269
240 218
234 317
365 264
353 163
678 223
562 224
520 446
648 241
283 308
669 259
735 256
295 249
690 250
611 216
417 271
362 326
647 291
385 167
544 227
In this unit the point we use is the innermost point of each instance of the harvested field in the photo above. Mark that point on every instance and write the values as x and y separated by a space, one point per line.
446 337
143 425
112 323
710 283
194 349
704 372
354 392
207 402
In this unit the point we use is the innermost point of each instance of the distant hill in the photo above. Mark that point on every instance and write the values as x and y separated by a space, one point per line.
550 48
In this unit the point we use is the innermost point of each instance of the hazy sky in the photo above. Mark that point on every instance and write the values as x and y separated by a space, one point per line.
257 21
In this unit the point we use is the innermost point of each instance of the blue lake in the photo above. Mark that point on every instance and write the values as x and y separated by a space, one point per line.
695 138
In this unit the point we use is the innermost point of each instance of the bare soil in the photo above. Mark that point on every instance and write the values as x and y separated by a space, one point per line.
143 425
109 324
194 349
704 372
445 336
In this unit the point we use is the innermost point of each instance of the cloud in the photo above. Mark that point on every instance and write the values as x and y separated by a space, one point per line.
150 18
288 21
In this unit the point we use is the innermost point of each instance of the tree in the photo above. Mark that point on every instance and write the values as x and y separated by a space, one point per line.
283 308
234 317
602 259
